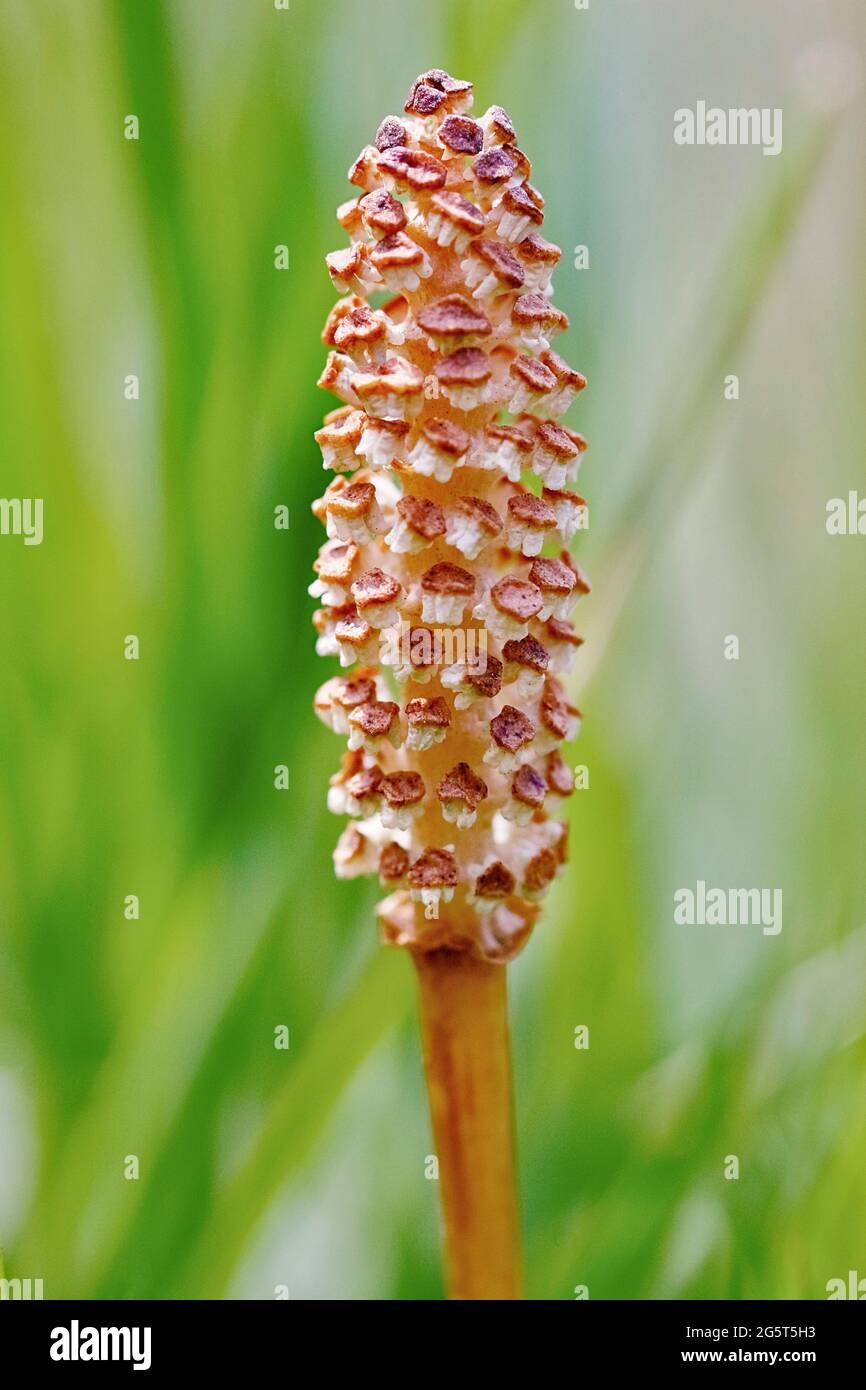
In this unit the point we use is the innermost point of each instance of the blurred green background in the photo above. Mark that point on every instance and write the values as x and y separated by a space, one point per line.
155 1038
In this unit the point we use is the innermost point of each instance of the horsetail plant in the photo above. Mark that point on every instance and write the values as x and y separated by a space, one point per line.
446 586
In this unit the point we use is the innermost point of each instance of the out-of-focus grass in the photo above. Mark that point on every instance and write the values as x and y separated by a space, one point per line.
155 1037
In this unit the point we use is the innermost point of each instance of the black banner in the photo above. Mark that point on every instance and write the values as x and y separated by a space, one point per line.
75 1339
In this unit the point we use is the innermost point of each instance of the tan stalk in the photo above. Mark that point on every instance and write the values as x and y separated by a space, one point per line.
464 1026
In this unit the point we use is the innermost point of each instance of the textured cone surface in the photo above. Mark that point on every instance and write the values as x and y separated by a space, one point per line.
446 583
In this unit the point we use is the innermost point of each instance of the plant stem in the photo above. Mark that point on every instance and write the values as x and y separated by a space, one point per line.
464 1024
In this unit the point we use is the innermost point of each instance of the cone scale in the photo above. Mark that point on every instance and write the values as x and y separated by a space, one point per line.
446 586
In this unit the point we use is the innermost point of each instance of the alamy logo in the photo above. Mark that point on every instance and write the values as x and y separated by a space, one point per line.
22 516
76 1343
846 518
20 1289
407 648
739 125
855 1287
729 907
